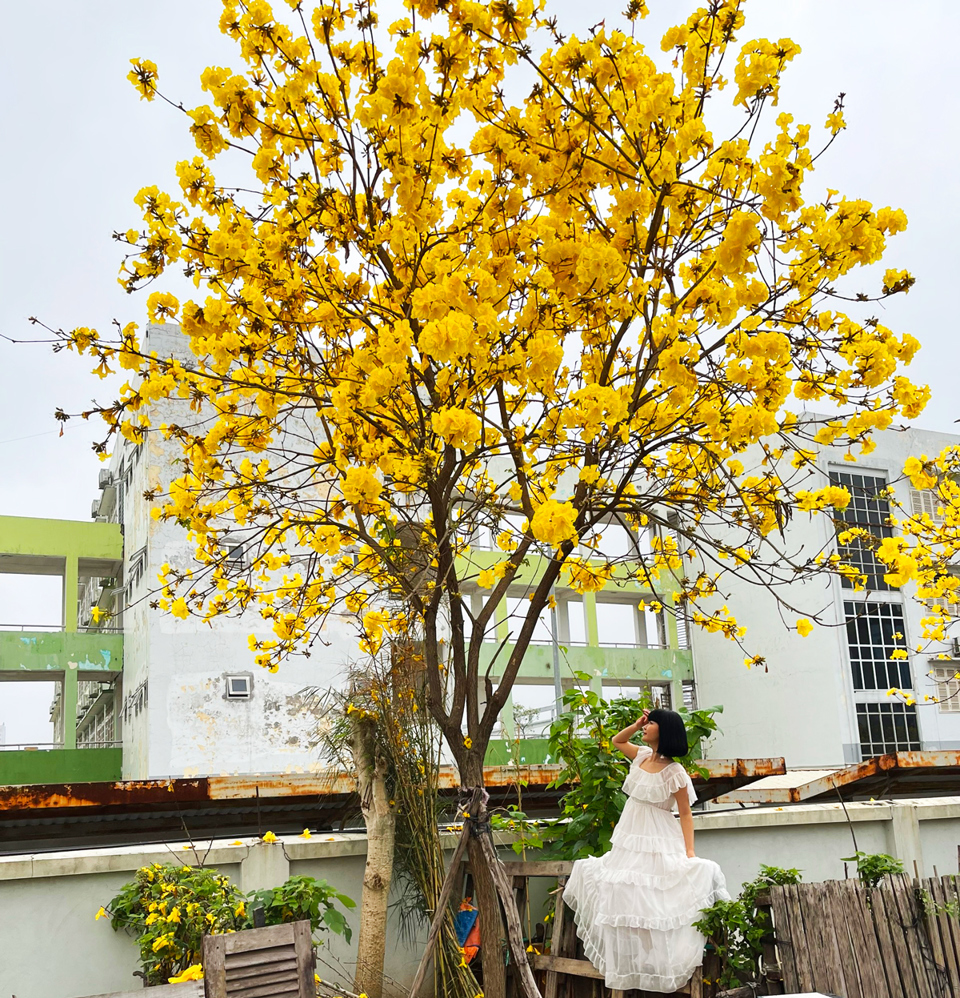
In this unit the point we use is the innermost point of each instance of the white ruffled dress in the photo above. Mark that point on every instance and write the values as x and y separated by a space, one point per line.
635 905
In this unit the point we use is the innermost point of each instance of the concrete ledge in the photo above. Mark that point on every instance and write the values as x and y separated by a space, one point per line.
812 814
126 858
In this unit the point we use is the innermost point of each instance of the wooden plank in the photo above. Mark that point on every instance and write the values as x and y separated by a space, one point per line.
886 908
818 923
565 965
258 957
939 970
272 990
538 868
306 957
801 950
783 940
254 969
950 889
873 981
214 966
911 919
259 939
945 926
552 982
695 987
884 934
848 953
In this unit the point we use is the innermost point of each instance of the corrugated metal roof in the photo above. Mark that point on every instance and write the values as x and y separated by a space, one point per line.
39 817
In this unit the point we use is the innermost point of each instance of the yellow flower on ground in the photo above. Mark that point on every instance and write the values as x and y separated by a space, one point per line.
269 837
192 973
305 834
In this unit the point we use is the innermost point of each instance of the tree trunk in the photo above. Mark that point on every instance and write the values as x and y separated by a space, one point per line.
491 924
381 824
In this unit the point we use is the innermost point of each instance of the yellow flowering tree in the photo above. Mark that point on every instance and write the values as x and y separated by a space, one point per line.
484 275
923 555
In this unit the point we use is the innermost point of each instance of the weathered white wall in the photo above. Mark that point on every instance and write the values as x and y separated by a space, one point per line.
52 898
188 727
803 708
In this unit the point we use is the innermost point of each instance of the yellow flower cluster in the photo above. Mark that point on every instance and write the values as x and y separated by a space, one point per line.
440 306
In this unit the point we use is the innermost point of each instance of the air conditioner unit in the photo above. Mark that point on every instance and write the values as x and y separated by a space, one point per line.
105 478
239 687
94 509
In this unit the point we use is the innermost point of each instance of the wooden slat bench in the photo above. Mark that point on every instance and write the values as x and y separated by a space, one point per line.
562 962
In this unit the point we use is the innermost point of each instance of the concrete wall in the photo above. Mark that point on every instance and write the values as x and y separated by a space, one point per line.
52 899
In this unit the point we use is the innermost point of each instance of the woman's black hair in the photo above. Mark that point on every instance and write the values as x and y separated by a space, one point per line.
673 735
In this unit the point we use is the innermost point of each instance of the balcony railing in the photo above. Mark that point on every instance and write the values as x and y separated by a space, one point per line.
546 641
53 746
58 628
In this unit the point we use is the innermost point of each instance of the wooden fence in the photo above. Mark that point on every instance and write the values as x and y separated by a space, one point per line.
899 940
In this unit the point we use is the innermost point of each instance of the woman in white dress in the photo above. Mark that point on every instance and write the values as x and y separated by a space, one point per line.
635 906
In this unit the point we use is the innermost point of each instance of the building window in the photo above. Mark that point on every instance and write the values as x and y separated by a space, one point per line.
887 728
870 637
689 694
871 512
948 689
630 689
925 501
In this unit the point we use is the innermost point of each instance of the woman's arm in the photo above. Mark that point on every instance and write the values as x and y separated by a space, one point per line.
686 819
621 740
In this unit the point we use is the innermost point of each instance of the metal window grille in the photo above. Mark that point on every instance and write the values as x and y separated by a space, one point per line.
948 689
871 512
870 639
689 694
886 728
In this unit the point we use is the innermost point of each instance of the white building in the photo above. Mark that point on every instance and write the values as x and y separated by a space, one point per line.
823 700
191 700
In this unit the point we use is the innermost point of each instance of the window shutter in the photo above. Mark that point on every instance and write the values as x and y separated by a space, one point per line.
274 962
948 689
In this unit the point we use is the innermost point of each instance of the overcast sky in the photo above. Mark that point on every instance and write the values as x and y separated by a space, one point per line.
78 145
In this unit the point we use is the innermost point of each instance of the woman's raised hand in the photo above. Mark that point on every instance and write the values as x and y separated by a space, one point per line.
643 718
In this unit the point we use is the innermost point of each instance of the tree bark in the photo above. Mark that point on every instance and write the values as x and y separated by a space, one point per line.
488 898
491 924
380 822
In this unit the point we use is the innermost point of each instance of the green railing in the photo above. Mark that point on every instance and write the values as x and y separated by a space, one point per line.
60 765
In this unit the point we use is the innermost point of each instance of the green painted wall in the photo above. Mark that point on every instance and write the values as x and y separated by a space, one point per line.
60 766
58 651
27 535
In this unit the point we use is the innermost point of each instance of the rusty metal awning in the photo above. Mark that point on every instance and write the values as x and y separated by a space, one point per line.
56 816
903 774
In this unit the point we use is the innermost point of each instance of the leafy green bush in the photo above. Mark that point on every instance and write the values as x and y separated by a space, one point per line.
171 908
736 928
872 867
300 898
580 739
